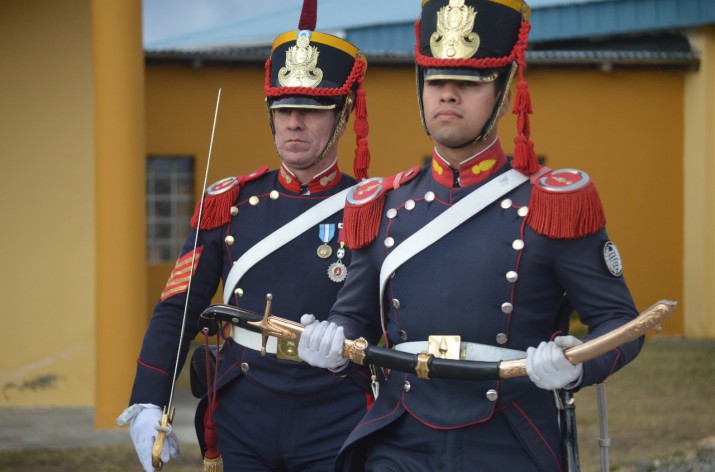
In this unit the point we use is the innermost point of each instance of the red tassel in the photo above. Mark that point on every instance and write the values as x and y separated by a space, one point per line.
362 223
309 15
212 457
522 103
566 215
523 124
217 209
362 129
525 159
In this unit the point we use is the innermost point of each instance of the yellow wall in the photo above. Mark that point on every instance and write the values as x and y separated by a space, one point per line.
626 130
623 128
47 292
699 228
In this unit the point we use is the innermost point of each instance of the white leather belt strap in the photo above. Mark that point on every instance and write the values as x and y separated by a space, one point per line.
446 222
282 236
253 340
468 351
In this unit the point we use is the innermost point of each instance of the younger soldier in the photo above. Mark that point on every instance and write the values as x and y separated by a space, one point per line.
469 259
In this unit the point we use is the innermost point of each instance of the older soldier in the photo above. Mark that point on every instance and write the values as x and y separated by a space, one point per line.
518 236
289 222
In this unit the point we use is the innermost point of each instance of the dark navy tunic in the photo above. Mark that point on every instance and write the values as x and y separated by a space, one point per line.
256 392
493 280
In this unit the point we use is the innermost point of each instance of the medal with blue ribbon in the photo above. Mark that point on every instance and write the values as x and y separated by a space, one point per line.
326 232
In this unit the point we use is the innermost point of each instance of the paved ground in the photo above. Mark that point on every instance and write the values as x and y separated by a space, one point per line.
67 428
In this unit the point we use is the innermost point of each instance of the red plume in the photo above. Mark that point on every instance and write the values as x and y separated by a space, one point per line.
309 15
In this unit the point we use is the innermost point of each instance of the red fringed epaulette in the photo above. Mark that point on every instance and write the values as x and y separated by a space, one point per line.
219 198
565 205
363 211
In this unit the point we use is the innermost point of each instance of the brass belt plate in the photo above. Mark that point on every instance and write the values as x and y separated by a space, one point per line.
444 346
287 350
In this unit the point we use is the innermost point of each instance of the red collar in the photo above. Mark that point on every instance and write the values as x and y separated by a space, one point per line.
327 179
471 171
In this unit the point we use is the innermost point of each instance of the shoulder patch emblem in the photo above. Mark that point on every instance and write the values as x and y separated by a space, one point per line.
564 180
223 185
612 258
366 191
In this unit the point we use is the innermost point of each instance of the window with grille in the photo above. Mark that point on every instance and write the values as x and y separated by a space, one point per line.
169 205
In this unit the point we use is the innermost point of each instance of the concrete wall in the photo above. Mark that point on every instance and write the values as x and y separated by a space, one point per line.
699 208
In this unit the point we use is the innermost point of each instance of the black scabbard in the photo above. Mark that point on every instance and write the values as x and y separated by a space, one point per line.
437 368
433 367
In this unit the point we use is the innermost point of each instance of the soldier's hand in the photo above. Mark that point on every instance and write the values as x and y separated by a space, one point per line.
321 344
143 431
547 366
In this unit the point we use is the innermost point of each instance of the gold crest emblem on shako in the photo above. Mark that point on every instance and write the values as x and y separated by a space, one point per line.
454 38
301 69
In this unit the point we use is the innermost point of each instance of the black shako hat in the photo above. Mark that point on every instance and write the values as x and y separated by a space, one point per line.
479 40
309 69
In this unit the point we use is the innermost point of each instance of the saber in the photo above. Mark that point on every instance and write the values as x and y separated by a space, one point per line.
427 366
167 416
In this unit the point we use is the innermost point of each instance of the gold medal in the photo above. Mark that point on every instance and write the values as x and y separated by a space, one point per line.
324 251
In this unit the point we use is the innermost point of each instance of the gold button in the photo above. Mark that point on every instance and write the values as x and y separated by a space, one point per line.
274 194
253 200
229 240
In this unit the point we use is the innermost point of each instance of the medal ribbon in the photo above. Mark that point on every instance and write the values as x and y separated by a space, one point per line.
327 232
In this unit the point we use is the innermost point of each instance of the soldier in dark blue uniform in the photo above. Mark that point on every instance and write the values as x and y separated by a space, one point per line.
469 258
276 232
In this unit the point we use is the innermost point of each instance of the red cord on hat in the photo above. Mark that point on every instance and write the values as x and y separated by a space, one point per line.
525 159
362 128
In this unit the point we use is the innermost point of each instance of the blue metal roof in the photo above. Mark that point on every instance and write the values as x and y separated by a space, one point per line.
613 17
385 27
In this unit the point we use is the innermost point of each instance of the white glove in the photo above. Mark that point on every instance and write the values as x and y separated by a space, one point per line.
549 369
321 344
144 429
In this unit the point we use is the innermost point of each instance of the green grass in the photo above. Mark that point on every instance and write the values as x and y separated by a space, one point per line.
659 407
